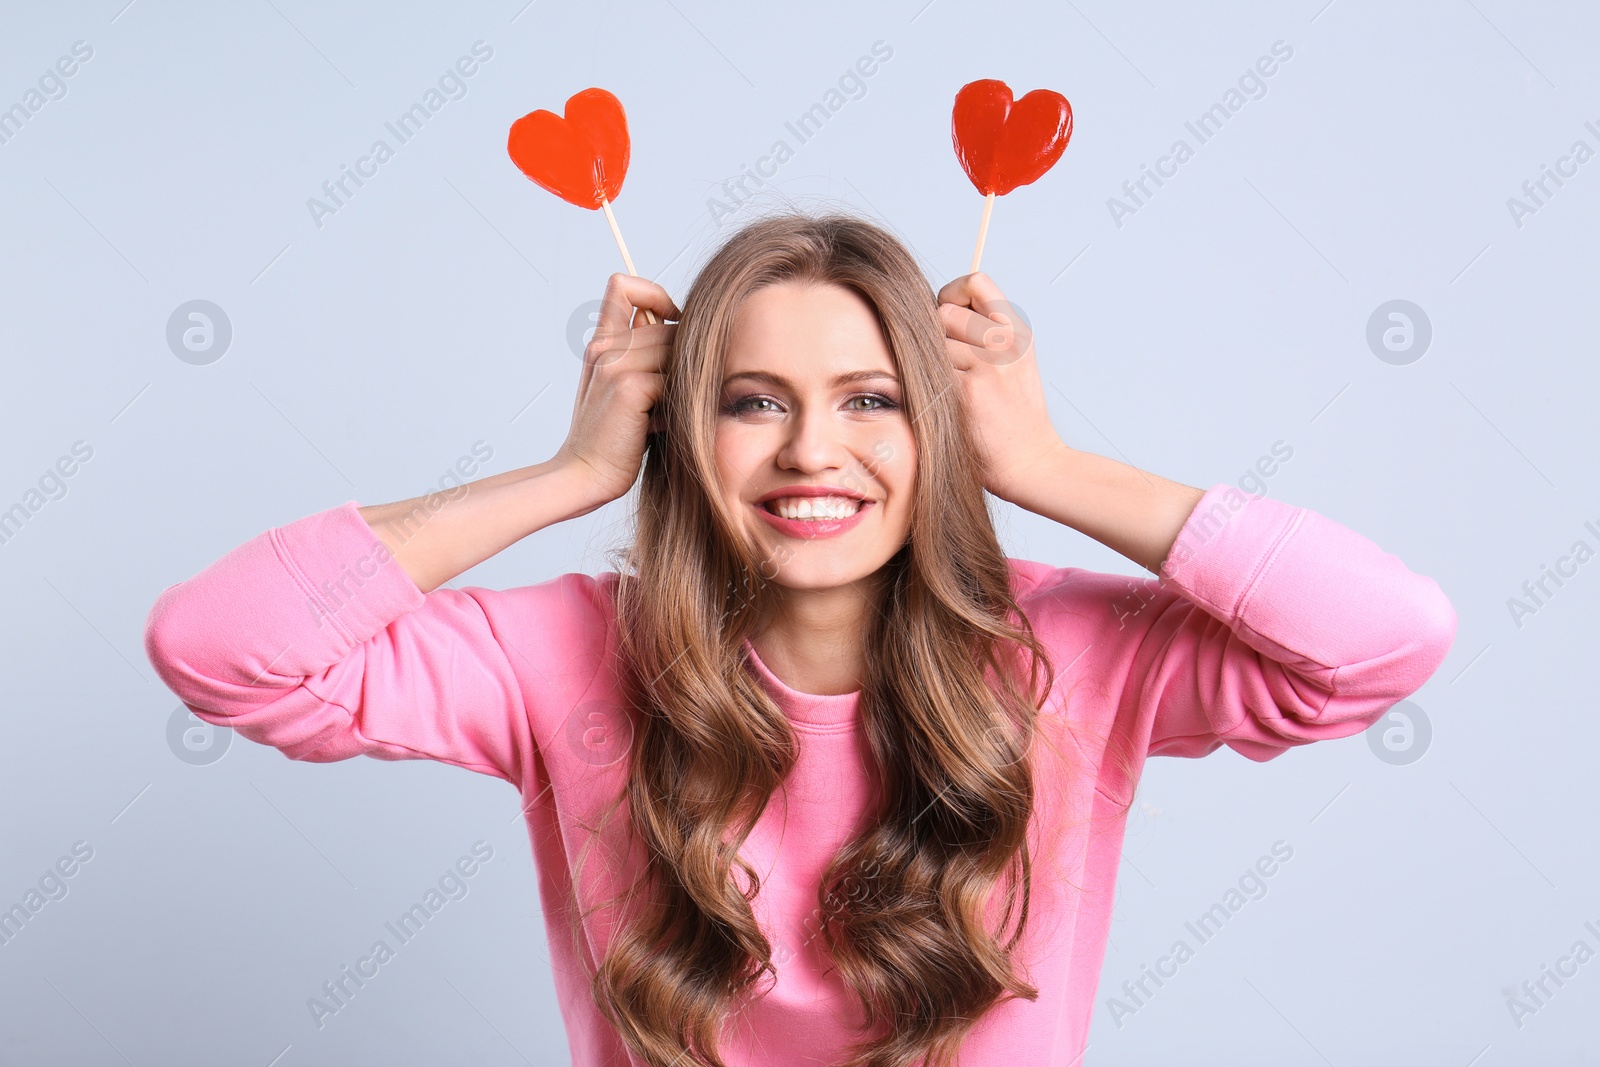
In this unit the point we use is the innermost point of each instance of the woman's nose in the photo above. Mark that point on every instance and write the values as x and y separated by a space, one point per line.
814 441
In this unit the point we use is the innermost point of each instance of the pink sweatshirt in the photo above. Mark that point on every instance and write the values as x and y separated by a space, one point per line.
1273 627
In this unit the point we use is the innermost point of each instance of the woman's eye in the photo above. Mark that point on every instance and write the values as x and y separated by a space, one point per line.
743 404
749 403
880 403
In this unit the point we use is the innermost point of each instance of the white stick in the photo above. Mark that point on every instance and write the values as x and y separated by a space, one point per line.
627 260
983 231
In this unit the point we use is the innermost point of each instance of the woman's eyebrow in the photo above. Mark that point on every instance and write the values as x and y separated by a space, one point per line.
783 383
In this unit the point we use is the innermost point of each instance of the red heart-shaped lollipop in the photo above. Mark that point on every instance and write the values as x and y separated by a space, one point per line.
582 155
1003 143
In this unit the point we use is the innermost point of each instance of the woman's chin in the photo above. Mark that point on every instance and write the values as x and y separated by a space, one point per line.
819 567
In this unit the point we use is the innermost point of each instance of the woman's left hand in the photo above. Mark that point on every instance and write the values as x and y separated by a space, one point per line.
991 349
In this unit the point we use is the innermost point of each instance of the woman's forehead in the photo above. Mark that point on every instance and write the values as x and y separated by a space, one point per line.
813 331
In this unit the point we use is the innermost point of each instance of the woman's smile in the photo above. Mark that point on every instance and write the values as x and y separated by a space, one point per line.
815 516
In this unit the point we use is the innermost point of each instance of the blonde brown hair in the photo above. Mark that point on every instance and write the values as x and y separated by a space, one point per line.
947 709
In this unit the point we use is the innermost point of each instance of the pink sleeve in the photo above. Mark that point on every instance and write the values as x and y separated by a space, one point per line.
310 638
1271 627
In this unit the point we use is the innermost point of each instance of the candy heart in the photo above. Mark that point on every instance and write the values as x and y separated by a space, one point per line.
1003 144
581 155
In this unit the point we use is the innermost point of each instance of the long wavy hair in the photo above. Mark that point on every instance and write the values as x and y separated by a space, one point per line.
947 707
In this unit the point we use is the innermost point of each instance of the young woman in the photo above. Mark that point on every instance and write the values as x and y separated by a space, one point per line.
817 774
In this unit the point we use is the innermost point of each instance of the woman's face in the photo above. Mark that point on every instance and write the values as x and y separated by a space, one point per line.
811 402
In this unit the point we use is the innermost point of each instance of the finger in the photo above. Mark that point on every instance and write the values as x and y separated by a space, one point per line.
640 335
658 336
962 356
624 292
986 294
974 328
646 317
644 293
654 381
630 348
957 291
977 291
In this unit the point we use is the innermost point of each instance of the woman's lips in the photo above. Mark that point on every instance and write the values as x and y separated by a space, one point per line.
810 529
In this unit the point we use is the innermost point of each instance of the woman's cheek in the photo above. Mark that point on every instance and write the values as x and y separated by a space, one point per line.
732 457
900 468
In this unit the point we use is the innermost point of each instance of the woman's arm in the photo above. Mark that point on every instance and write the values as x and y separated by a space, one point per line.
440 535
309 637
1269 626
1124 508
1025 461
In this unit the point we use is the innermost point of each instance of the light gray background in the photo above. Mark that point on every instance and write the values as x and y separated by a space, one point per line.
370 354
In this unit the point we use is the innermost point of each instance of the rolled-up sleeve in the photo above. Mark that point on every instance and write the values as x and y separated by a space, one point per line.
1270 626
311 638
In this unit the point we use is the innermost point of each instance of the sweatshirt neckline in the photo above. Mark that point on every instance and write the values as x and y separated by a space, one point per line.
812 709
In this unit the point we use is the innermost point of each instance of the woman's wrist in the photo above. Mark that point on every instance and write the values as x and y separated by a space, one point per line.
575 485
1031 484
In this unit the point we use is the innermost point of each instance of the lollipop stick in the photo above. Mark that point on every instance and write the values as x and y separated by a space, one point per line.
983 232
627 260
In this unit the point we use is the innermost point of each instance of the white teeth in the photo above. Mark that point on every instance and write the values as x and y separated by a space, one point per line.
815 507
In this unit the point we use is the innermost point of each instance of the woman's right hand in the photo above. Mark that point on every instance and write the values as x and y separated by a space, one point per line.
620 383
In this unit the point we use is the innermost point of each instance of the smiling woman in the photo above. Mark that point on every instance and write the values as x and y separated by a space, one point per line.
817 773
813 444
810 359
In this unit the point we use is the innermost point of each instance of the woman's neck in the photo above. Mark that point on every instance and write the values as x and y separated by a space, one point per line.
815 640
